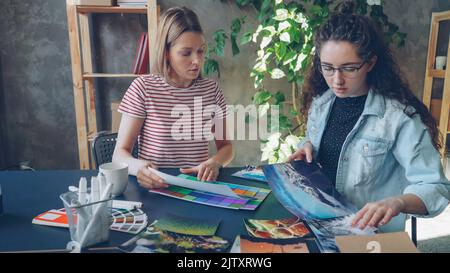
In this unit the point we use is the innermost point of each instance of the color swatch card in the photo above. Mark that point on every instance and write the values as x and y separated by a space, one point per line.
54 218
249 198
129 221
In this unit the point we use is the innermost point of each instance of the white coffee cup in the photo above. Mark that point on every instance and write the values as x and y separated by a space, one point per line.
117 174
440 62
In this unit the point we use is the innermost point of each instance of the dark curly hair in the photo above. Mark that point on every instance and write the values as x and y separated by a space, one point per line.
385 77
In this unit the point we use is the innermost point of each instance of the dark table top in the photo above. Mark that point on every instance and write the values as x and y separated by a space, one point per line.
26 194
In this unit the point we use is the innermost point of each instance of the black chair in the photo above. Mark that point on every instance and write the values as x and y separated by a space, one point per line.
103 147
414 230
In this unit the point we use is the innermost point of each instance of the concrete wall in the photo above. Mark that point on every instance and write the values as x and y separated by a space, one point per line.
38 112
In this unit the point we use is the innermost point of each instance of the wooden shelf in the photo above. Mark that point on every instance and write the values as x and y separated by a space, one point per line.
437 73
108 75
80 31
439 107
113 9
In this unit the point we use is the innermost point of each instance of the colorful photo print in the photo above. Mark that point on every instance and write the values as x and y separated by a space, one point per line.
305 191
188 226
277 229
154 240
260 245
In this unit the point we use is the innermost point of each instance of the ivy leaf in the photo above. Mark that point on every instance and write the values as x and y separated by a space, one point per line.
293 113
279 98
210 67
294 33
281 15
264 9
280 50
242 3
261 97
285 37
235 29
220 36
284 123
289 57
317 10
234 46
246 38
277 74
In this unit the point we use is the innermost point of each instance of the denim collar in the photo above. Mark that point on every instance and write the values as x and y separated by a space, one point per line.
375 103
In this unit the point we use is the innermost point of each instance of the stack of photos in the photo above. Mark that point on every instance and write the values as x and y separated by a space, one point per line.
277 229
306 192
161 238
251 173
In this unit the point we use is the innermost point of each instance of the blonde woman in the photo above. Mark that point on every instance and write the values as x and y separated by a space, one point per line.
174 111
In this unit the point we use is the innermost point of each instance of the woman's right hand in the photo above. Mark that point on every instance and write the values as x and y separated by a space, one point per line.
305 152
147 179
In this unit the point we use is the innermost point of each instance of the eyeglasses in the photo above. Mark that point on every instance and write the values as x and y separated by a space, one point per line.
349 72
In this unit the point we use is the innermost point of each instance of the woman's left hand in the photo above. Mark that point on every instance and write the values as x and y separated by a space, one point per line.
378 213
207 171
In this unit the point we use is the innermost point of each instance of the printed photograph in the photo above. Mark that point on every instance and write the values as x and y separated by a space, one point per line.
250 244
305 191
155 240
277 229
187 225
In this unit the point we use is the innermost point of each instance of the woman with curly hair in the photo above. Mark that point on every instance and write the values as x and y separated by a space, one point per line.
373 138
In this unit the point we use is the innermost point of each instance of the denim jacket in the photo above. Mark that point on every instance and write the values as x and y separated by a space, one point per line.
386 154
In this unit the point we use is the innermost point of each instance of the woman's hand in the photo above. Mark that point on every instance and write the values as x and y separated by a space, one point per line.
207 171
147 179
378 213
305 152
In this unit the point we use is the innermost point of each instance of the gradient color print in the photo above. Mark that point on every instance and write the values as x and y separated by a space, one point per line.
251 197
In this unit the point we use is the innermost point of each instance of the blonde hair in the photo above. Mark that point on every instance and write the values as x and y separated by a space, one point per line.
174 22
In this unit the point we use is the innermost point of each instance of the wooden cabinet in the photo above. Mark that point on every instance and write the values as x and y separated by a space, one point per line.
439 107
83 76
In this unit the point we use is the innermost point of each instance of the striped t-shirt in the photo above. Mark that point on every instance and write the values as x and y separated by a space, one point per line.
177 120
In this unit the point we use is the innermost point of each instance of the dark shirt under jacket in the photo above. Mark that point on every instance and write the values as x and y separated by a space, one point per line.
343 117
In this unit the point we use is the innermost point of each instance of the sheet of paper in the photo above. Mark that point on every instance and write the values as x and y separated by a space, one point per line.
201 186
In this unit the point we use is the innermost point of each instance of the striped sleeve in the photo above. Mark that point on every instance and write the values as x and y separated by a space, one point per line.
133 102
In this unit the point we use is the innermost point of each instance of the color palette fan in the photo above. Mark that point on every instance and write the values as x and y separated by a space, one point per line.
129 221
250 197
